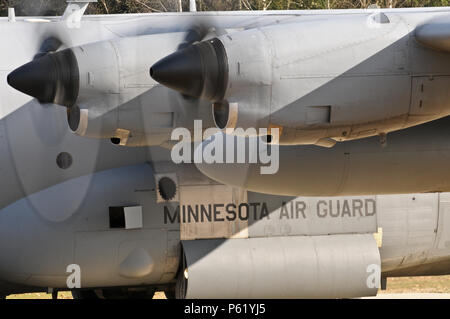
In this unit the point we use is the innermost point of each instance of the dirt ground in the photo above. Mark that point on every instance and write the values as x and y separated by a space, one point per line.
438 284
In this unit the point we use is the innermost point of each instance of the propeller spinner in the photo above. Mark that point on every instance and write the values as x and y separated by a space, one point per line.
199 70
50 78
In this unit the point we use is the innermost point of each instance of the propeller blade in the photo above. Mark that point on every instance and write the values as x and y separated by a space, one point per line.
49 45
196 33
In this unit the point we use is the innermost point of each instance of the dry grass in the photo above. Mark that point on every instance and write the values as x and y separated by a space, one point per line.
437 284
63 295
41 295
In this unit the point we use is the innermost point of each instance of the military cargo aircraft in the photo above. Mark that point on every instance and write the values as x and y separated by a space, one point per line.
354 102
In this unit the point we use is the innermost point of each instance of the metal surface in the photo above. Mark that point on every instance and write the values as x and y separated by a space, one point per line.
281 267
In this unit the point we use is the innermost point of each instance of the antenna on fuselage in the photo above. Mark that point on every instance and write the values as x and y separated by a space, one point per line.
75 10
11 15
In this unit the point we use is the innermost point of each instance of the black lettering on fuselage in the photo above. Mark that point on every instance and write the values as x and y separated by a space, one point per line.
346 209
217 213
192 213
241 209
169 218
264 211
231 211
284 211
357 207
371 207
322 213
255 210
334 211
329 208
300 208
205 213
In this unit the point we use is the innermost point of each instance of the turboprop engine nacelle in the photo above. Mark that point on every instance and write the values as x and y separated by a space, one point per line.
237 83
106 88
318 81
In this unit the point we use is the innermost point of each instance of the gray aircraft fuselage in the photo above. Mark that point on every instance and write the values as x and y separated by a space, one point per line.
365 77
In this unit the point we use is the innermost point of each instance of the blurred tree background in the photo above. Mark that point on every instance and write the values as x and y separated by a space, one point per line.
56 7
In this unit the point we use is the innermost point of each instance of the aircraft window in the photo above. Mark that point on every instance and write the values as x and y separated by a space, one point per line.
64 160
